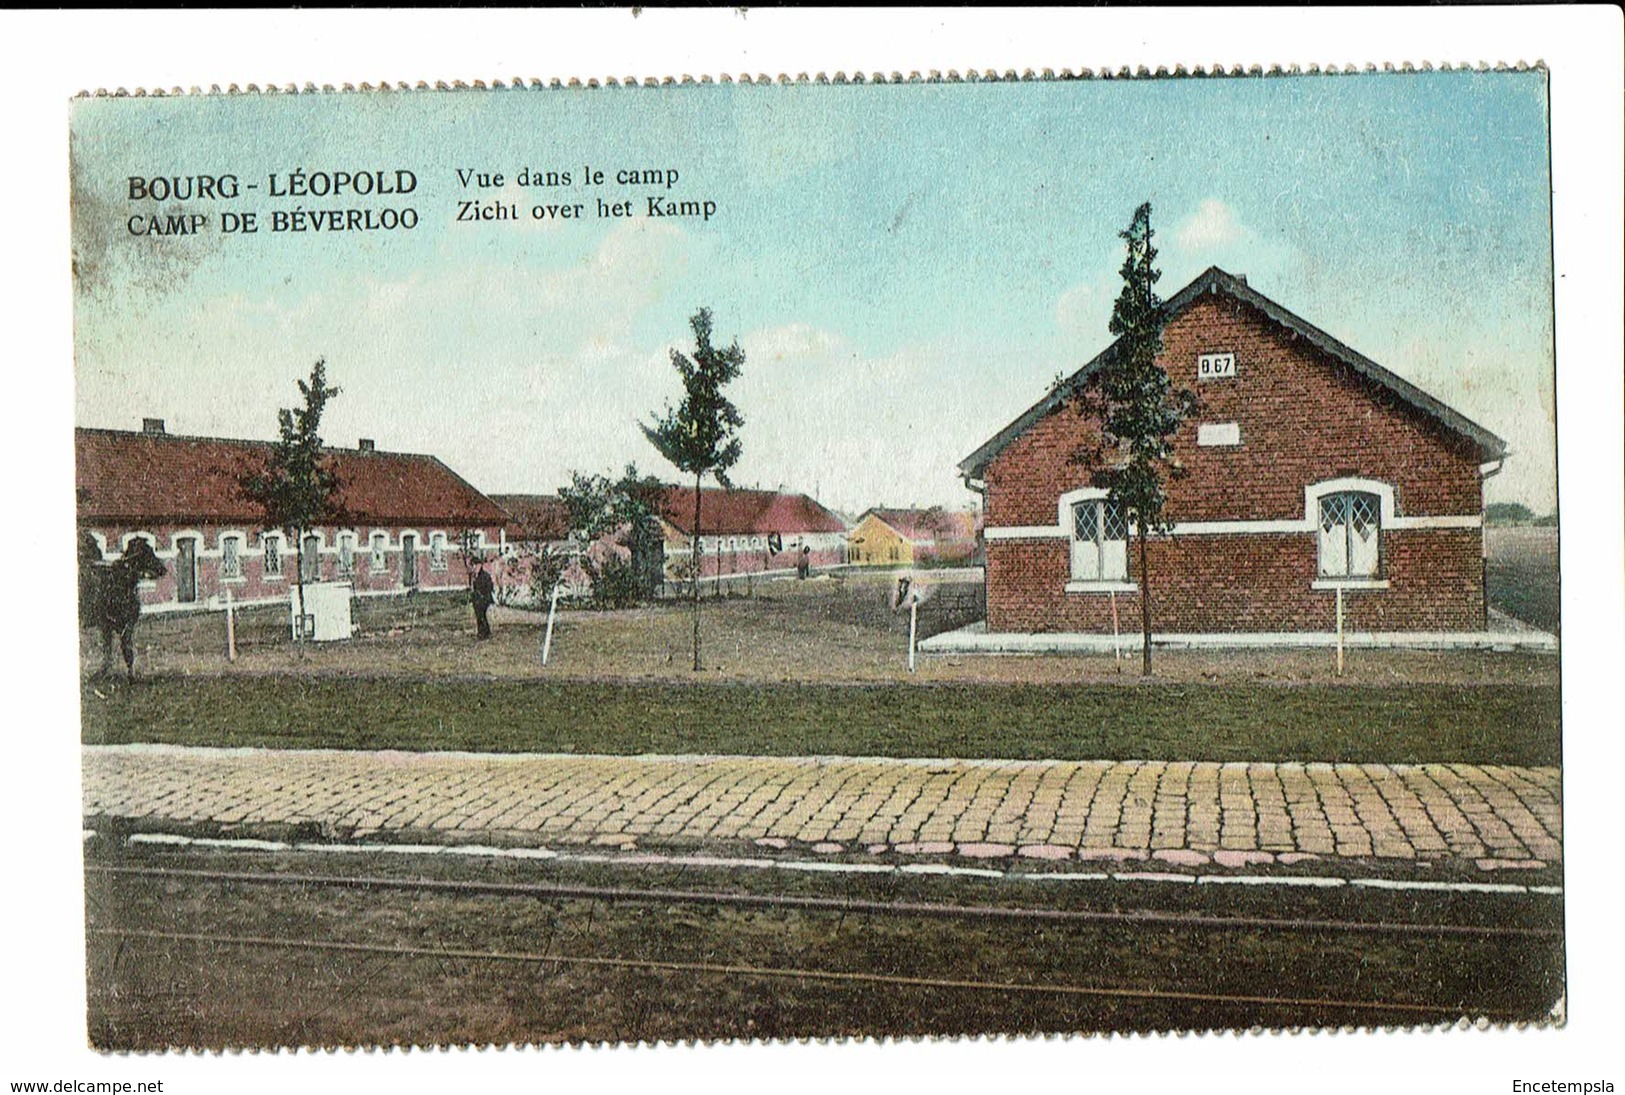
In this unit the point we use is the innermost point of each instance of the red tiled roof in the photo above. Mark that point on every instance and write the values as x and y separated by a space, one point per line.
537 517
929 525
758 512
138 477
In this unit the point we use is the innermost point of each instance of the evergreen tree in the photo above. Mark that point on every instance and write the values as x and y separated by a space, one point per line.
701 435
297 489
1138 408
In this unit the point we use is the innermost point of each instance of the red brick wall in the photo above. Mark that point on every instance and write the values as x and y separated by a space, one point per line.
1304 418
1244 583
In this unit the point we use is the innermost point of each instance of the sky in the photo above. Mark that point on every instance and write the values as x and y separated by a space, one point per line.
907 267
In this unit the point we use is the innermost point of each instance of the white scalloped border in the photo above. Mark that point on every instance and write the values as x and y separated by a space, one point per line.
931 76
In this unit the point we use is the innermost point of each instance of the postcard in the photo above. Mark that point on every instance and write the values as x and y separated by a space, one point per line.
864 557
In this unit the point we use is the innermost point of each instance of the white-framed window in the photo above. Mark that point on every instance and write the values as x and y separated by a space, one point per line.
310 558
1350 535
273 555
346 553
380 548
437 551
1099 535
231 558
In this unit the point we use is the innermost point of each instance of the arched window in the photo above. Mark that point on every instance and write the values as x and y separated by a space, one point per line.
1099 541
1350 535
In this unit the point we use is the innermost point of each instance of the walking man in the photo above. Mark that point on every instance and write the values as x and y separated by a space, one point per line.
482 594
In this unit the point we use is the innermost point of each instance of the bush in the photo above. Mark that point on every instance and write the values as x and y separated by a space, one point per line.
616 581
1508 513
547 567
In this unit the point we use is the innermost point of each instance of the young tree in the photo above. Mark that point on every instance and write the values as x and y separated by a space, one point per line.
297 489
701 436
1138 408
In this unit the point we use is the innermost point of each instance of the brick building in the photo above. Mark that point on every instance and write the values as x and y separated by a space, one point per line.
405 516
749 531
1310 469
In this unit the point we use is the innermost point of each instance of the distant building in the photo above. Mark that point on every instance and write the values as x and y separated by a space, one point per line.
539 524
534 518
1310 470
885 536
749 531
405 518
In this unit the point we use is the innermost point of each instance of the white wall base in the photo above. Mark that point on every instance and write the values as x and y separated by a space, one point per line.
976 639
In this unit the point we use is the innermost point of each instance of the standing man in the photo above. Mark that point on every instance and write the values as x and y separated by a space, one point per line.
804 563
483 592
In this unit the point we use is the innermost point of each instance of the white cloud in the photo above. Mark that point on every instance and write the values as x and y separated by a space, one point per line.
1213 225
1080 308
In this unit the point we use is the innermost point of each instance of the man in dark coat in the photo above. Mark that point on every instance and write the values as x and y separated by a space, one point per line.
482 594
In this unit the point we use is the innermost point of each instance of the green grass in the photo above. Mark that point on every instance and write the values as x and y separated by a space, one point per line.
1407 723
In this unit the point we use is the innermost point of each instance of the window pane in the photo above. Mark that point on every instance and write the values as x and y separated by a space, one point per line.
1363 512
1086 521
1364 527
1116 521
1333 511
1114 560
1334 560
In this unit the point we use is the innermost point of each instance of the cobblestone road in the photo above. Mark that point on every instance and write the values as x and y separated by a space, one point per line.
1179 812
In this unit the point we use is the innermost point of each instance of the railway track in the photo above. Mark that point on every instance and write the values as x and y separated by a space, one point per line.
842 905
1345 1008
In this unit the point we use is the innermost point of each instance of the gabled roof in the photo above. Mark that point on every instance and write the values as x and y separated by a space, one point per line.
542 518
133 477
927 525
756 512
1215 280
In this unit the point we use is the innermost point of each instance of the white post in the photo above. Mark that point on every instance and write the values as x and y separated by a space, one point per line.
1117 641
1340 631
552 608
231 629
913 630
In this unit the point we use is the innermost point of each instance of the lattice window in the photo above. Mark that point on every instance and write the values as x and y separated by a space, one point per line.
231 557
273 555
1350 535
346 553
1099 541
1115 522
437 551
380 549
1086 521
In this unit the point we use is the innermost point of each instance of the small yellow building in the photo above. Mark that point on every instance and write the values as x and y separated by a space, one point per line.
885 537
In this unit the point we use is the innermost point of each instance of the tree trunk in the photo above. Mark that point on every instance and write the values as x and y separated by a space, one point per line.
299 576
694 558
1145 609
